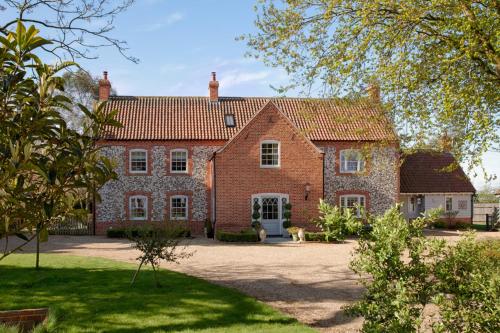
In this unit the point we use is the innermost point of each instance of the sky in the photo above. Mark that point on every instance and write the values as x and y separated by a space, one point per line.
179 43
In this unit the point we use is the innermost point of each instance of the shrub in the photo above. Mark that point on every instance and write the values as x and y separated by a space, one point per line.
287 213
156 244
210 229
337 223
133 231
463 225
439 224
244 236
495 219
316 237
404 272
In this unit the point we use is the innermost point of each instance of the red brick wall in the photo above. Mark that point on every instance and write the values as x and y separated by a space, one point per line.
26 319
239 175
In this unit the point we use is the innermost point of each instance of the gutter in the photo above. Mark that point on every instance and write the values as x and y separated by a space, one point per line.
214 190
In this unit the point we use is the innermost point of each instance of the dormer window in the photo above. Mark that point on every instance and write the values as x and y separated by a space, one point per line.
229 120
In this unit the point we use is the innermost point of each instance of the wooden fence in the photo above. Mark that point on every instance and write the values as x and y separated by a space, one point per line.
73 226
481 210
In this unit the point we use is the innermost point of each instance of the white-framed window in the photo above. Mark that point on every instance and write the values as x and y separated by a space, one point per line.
412 204
179 207
138 207
179 161
138 161
351 161
354 202
229 120
270 154
448 206
462 204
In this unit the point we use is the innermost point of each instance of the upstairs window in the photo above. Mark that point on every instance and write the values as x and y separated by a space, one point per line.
138 161
179 207
354 202
229 120
351 161
179 161
270 154
138 207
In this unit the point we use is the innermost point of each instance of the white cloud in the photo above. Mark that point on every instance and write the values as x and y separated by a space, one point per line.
234 78
170 68
174 17
169 20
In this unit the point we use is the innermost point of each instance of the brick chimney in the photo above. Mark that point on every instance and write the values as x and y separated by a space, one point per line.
373 91
213 89
446 142
104 87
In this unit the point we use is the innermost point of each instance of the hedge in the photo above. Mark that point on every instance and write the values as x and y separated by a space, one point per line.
123 232
247 236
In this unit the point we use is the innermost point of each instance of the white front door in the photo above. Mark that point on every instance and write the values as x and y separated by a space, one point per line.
271 213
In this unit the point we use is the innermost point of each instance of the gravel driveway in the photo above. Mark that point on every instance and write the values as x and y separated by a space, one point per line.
309 281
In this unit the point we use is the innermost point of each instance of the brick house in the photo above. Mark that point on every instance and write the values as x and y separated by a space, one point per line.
197 158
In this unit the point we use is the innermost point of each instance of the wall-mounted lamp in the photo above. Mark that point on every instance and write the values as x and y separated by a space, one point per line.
307 189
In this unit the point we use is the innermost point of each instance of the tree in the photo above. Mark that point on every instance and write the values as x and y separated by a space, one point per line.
77 27
337 223
83 88
157 244
436 62
47 169
406 273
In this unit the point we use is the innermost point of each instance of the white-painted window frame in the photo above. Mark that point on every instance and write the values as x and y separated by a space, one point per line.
131 207
446 204
135 150
179 150
233 119
343 161
279 154
186 198
412 204
358 197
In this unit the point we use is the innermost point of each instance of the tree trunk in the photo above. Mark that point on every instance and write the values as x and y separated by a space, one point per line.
37 263
156 276
137 272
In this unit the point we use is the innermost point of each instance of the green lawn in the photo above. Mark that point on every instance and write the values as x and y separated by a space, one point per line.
94 295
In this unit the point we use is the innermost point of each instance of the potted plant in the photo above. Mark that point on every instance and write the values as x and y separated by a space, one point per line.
256 225
301 233
287 213
294 232
262 234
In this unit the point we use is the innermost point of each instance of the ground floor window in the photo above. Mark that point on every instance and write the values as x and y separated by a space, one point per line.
138 207
449 204
179 207
354 202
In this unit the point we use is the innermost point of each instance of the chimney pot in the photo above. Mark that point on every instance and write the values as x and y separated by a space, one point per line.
373 91
104 87
213 89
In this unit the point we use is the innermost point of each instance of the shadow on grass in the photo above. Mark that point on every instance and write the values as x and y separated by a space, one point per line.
93 294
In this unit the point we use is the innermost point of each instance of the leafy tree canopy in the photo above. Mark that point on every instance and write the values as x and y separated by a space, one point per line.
436 62
47 168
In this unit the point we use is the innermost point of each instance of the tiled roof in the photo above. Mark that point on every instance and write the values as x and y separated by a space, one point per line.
195 118
424 172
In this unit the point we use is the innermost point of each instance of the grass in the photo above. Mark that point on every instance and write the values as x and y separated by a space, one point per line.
94 295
